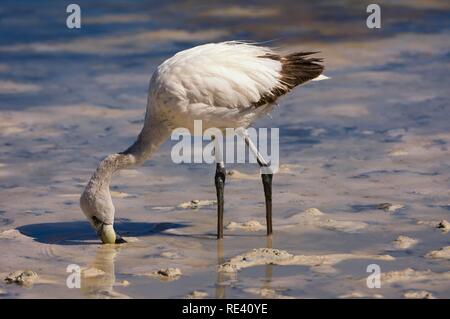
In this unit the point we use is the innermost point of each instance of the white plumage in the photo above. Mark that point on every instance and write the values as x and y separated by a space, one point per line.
228 84
218 83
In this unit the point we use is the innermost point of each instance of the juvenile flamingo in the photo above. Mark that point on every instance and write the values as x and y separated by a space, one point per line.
226 85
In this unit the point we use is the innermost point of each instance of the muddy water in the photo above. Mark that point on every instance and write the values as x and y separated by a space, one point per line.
377 132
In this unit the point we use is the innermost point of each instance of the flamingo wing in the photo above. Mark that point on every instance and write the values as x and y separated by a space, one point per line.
234 75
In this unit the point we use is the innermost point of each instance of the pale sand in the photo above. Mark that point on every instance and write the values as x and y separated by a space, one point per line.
196 295
404 242
421 294
166 274
443 253
266 256
251 226
268 293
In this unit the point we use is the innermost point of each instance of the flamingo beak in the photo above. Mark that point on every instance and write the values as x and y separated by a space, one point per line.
108 235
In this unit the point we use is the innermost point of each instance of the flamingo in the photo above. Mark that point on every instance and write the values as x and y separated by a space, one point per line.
226 85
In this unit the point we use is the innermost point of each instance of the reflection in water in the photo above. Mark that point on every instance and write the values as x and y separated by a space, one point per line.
221 276
269 267
220 286
102 286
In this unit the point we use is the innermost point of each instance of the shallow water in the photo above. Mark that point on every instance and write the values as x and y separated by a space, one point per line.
376 132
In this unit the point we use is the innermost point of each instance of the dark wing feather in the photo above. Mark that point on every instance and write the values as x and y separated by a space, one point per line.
297 68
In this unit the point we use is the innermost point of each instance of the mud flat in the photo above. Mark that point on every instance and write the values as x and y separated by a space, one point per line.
389 207
235 174
11 234
268 293
23 278
166 274
171 254
197 203
196 294
420 294
268 256
442 225
404 242
315 217
358 294
443 253
412 275
249 226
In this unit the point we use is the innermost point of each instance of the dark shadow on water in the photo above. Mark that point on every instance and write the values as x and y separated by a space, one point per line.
391 172
446 207
363 208
81 232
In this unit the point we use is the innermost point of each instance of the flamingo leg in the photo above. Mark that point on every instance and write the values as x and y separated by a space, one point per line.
219 180
266 176
267 185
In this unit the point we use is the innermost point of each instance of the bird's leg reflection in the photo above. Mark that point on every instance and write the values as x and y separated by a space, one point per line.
269 267
220 287
102 285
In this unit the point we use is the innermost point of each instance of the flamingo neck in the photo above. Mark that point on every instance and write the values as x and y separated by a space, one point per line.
145 146
107 167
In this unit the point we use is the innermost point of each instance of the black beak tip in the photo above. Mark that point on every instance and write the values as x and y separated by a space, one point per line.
120 240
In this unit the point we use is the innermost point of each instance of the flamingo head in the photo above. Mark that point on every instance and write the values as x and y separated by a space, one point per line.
99 209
